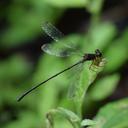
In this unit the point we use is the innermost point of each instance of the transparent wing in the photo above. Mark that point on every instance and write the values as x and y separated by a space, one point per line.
75 81
60 48
52 31
57 50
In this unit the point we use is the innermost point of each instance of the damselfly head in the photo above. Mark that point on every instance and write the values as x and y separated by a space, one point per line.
98 53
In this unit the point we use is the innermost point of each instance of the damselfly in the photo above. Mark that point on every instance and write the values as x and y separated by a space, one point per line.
62 50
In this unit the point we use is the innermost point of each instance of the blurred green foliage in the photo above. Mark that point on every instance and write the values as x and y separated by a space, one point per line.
66 3
113 115
16 72
25 19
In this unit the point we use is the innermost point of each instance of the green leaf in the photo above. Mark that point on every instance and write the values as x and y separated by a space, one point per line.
104 87
73 119
66 3
100 36
119 120
14 68
87 77
113 115
87 122
13 71
69 115
26 119
94 6
125 36
116 54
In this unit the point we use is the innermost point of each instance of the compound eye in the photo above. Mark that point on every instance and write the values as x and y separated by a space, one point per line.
98 53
